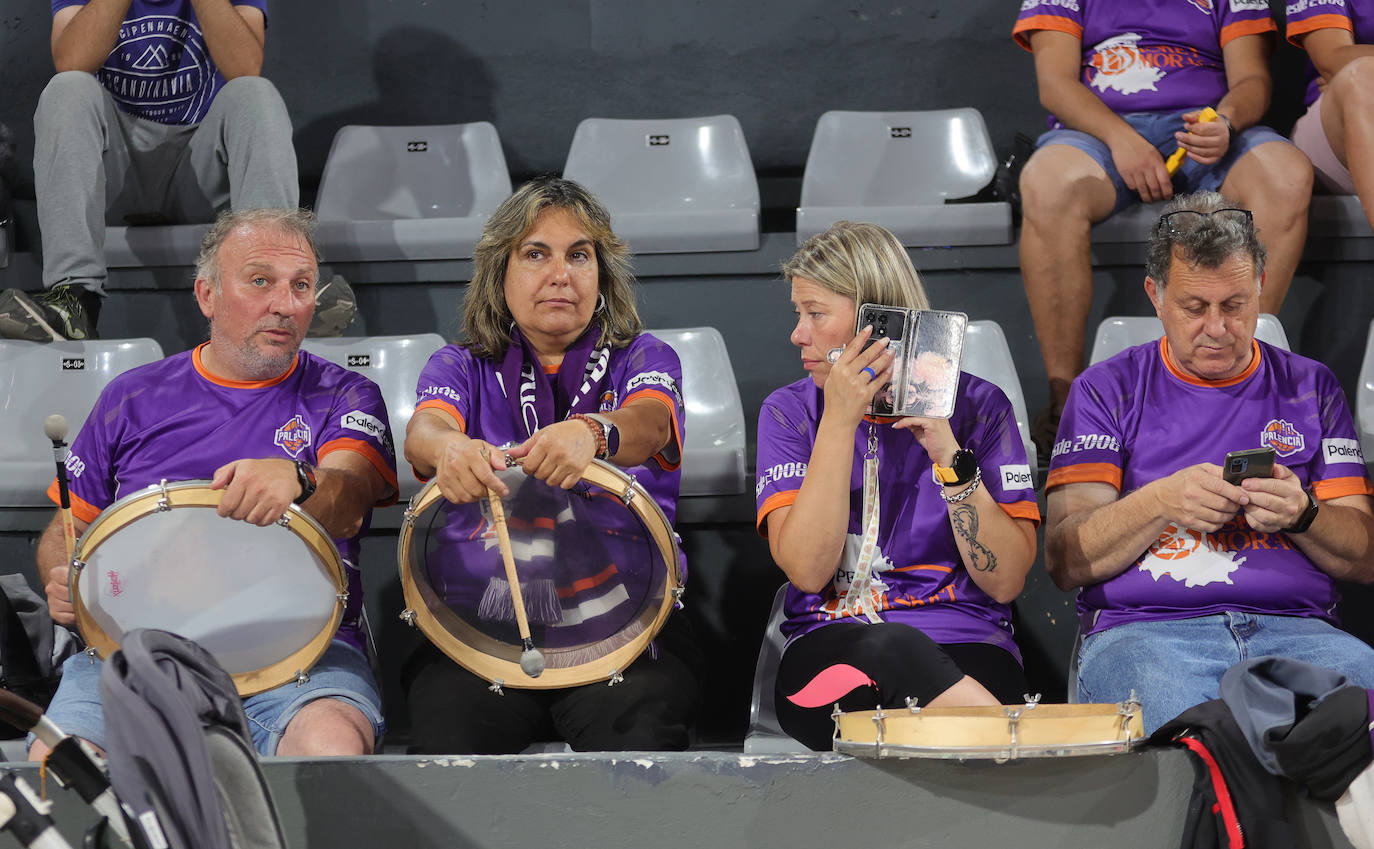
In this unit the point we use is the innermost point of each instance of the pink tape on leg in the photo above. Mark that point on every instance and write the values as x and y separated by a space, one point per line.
830 685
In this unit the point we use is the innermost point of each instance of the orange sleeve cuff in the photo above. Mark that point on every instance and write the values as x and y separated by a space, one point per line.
1022 510
83 510
369 453
773 502
662 398
1024 27
445 407
1337 487
1298 29
1257 26
1085 473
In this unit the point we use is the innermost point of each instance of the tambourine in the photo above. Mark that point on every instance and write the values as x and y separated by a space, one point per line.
264 601
598 566
1001 733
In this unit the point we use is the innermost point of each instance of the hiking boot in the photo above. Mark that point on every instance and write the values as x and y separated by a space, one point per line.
335 308
62 312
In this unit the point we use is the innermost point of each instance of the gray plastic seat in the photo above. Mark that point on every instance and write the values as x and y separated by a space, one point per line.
673 185
38 379
409 193
1338 217
1132 224
987 355
1364 398
1117 333
765 735
897 169
714 454
394 364
153 245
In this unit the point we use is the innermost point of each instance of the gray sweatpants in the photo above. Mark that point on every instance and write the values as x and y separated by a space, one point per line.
94 164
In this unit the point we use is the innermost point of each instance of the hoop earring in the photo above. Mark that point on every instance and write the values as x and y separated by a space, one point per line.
601 302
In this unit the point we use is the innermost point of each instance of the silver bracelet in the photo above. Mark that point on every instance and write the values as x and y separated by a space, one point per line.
973 486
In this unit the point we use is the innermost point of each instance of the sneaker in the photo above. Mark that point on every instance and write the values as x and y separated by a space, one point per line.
62 312
335 308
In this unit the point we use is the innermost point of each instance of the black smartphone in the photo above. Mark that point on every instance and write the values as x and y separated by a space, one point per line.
887 323
1250 463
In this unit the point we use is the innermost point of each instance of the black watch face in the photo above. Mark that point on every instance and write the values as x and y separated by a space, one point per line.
965 465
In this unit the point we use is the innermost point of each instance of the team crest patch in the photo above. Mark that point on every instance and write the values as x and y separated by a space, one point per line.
1203 5
294 436
607 402
1282 437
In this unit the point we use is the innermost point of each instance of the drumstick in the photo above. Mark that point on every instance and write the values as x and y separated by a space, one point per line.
55 427
531 659
1175 160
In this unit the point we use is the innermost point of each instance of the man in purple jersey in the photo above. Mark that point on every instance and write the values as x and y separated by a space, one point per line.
156 115
1180 573
271 426
1126 84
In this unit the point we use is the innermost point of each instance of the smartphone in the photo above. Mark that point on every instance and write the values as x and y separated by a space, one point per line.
1250 463
888 323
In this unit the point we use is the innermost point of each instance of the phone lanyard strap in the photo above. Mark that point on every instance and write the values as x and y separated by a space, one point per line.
865 592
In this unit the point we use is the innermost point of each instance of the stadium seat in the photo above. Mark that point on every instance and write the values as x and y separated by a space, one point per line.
409 193
900 170
1132 224
38 379
672 186
1364 398
153 245
394 364
713 456
987 355
1338 217
765 735
1118 333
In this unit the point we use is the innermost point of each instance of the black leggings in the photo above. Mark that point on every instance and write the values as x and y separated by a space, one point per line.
898 660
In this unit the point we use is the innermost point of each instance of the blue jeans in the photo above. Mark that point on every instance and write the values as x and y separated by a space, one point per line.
342 673
1158 129
1176 664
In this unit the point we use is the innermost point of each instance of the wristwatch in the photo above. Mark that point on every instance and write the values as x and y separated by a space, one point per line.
960 471
610 431
1304 521
305 473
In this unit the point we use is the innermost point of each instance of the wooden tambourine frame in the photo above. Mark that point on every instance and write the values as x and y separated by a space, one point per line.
197 494
475 651
1001 733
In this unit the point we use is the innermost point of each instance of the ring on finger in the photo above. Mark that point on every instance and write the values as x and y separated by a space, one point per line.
872 375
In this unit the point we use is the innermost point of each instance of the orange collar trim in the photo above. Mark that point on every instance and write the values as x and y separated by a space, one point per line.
1211 384
239 384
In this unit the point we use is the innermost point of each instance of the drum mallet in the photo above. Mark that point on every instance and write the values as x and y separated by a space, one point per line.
531 659
55 426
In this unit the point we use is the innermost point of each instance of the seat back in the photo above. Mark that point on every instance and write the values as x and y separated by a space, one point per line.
765 735
437 171
1117 333
678 184
714 453
897 158
394 364
1364 398
987 355
38 379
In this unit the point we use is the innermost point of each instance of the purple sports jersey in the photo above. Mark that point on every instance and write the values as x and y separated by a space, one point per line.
586 563
1149 55
1304 16
160 68
918 572
1135 418
173 420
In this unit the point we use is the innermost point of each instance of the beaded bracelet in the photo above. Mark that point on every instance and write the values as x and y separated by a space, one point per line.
598 432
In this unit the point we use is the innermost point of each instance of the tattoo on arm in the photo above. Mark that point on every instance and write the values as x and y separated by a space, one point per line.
965 520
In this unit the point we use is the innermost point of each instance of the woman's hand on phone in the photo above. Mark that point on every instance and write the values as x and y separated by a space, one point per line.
856 376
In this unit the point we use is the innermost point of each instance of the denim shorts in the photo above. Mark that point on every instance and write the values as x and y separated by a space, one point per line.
1175 664
1158 129
342 673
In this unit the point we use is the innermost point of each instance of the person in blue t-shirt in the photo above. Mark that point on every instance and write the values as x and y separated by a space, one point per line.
156 115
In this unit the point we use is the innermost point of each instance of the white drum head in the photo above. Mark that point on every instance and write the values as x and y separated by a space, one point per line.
258 599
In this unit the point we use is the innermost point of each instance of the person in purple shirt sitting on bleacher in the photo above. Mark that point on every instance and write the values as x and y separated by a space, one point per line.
270 425
1180 573
156 115
900 581
1127 83
555 371
1337 131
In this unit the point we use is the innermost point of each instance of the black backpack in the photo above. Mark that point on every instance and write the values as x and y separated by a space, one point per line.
181 757
32 649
